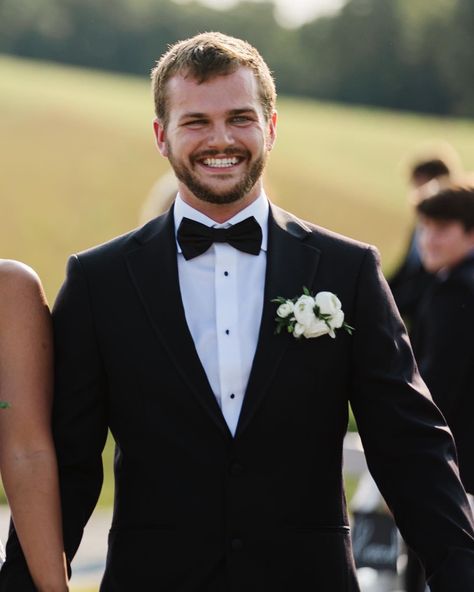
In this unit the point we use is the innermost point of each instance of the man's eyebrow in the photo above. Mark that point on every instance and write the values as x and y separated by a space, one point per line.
200 115
193 115
243 110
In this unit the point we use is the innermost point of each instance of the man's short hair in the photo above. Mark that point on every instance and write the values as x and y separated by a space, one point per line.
430 169
206 56
453 204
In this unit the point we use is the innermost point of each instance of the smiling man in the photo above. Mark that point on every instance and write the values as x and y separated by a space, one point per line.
216 342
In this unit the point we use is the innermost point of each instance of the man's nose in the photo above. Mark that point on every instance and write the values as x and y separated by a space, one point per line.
221 136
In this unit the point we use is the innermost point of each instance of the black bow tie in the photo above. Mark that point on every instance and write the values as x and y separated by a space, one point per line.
195 238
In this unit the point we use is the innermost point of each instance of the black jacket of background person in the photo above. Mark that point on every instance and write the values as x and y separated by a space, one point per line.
444 347
409 283
268 504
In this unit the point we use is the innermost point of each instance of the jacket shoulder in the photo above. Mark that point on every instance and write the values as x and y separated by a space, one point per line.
114 249
318 236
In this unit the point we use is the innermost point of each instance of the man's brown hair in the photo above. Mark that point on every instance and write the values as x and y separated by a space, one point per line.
206 56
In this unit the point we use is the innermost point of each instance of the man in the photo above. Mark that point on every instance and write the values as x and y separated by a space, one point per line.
229 435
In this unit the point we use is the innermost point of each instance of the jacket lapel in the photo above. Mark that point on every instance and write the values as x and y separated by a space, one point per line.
291 264
154 271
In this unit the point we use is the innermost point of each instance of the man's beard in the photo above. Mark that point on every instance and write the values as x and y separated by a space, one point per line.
206 193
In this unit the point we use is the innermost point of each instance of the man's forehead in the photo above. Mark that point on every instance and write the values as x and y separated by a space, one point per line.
226 93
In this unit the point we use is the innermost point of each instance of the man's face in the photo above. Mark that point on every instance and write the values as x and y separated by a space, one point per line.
443 243
217 138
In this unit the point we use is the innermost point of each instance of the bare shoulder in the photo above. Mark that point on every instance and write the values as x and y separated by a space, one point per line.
19 285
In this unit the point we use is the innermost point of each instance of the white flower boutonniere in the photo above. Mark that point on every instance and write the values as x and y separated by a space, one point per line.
311 316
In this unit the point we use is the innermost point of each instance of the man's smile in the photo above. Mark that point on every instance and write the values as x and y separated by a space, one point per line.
221 163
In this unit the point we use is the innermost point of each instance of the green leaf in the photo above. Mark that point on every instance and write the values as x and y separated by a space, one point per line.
348 328
279 300
4 405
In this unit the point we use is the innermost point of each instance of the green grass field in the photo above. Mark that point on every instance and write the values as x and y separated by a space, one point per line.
78 160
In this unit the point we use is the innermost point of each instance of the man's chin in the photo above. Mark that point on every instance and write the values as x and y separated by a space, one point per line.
221 199
221 196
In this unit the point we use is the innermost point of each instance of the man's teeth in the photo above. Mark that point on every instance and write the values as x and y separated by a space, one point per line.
221 162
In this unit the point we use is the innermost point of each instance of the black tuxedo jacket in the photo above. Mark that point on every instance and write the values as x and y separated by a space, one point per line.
444 347
265 510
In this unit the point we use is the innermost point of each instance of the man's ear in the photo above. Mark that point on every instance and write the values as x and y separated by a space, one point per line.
271 128
160 137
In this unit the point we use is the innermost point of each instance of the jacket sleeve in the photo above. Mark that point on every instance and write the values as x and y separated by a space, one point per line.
409 449
80 404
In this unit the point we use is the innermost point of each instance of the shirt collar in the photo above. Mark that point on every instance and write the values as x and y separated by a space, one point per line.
258 209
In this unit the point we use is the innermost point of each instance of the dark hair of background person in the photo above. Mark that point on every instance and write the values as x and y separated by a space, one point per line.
455 203
427 170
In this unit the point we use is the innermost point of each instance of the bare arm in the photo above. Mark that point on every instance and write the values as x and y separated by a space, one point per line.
27 457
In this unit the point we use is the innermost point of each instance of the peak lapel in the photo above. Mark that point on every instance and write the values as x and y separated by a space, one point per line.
291 264
154 271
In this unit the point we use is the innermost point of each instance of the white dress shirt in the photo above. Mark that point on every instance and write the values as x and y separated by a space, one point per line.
222 293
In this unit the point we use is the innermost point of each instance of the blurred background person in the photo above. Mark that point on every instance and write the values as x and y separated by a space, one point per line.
160 198
443 336
428 172
27 457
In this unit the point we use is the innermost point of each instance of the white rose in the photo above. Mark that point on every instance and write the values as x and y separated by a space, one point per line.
317 328
328 303
304 310
285 309
336 320
298 330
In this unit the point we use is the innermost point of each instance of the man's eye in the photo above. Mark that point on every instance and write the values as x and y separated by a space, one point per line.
240 119
195 123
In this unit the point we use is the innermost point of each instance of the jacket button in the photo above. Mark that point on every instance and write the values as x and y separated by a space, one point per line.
236 468
236 544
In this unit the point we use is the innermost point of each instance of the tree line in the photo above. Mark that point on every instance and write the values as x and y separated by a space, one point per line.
405 54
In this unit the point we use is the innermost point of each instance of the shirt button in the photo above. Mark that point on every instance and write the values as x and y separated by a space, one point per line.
232 396
227 331
236 544
226 273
